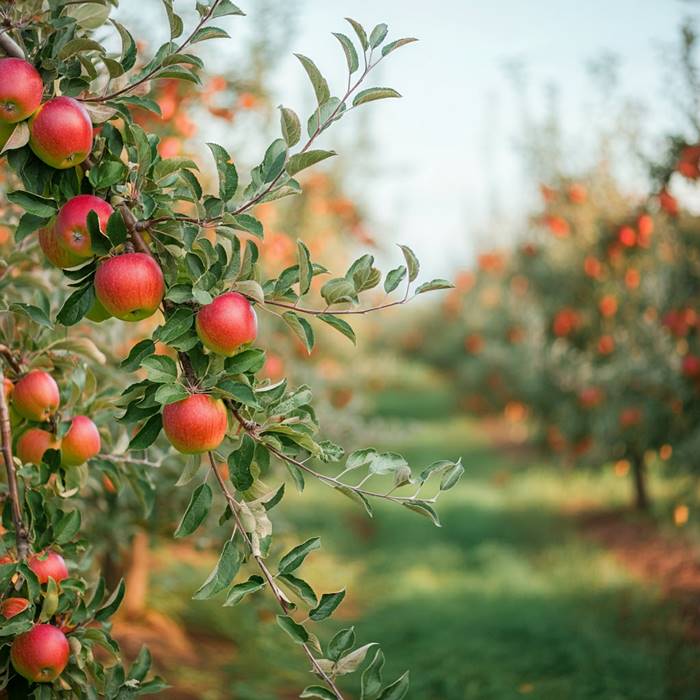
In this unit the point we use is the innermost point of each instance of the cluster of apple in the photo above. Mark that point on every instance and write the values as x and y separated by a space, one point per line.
60 129
35 397
41 653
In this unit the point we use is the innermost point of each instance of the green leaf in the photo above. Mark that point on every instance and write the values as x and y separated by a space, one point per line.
300 587
291 127
274 160
350 662
238 391
295 557
116 229
433 285
359 30
228 176
33 203
226 8
318 82
394 278
327 605
239 463
170 393
452 476
301 161
318 691
301 329
246 222
356 497
223 573
197 511
424 509
293 629
397 689
174 20
340 325
137 354
76 306
206 33
29 223
160 369
148 433
18 138
306 269
32 312
67 527
411 262
240 590
341 642
372 94
112 604
372 677
338 290
176 325
378 35
393 45
350 52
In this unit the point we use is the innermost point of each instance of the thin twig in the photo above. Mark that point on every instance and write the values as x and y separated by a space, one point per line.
10 46
339 312
10 359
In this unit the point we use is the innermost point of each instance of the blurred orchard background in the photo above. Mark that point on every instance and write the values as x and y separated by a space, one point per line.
546 158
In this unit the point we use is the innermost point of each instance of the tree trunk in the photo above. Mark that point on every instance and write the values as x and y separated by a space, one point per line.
639 477
137 576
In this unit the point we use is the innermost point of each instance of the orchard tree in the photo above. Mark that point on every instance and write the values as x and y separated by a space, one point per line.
130 230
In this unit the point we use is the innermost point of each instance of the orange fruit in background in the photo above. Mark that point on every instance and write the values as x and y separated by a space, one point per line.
608 305
632 278
606 345
558 225
627 236
668 203
577 193
592 266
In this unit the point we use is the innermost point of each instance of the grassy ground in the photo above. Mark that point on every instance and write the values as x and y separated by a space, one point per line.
506 601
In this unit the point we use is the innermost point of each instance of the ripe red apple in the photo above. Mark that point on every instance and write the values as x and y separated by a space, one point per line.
227 323
60 133
81 442
33 443
70 227
195 424
130 286
41 654
55 253
13 606
48 564
691 366
21 88
36 396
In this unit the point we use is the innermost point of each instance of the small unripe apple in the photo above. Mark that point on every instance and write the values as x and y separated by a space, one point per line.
71 228
33 443
47 565
41 654
21 88
130 286
81 442
195 424
227 323
55 253
61 133
97 312
13 606
36 396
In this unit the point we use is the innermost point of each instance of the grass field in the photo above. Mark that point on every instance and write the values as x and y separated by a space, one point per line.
507 600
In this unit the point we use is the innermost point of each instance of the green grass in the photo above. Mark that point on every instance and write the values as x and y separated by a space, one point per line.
506 600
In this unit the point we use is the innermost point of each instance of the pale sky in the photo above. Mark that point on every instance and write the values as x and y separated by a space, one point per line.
445 155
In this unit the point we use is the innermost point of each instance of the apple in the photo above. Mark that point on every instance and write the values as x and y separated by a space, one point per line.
36 396
13 606
60 133
130 286
21 88
48 564
33 443
41 654
227 323
71 228
195 424
8 388
97 312
81 442
54 252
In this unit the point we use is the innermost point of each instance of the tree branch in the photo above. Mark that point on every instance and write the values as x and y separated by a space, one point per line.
10 46
235 507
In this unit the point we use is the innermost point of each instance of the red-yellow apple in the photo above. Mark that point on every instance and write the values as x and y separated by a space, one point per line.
33 443
227 323
13 606
48 564
71 228
195 424
55 253
8 388
36 396
60 133
130 286
41 654
21 89
80 443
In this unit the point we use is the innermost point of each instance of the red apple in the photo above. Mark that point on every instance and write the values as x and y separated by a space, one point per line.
70 227
8 388
21 88
47 565
61 133
226 324
36 396
54 252
81 442
41 654
33 443
13 606
195 424
130 286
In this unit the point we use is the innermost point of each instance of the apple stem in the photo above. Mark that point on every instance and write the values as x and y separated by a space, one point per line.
21 534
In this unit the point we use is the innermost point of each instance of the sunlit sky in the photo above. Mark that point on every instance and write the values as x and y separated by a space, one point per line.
443 162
